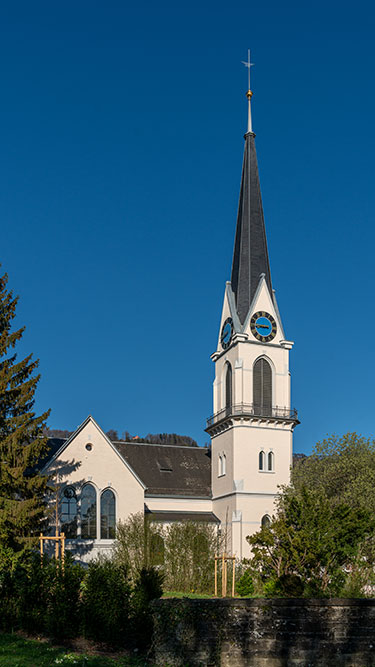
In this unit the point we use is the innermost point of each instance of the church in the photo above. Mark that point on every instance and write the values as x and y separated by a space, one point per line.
234 483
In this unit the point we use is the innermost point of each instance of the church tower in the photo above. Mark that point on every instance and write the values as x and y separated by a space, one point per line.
252 423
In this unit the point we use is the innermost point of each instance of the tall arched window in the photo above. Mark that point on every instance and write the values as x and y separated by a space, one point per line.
224 464
107 515
262 388
270 460
68 512
228 388
266 521
261 460
88 512
220 467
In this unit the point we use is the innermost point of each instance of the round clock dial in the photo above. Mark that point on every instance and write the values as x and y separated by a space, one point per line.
226 333
263 326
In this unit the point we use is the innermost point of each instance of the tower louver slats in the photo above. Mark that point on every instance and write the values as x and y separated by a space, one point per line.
262 387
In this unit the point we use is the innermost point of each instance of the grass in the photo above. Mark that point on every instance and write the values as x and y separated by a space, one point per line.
15 651
178 594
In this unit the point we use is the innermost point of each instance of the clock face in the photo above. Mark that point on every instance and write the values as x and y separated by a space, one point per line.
226 333
263 326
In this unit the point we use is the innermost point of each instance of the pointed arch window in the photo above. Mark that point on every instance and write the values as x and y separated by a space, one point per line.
224 465
88 512
220 467
261 460
228 388
270 460
266 521
68 512
107 515
262 388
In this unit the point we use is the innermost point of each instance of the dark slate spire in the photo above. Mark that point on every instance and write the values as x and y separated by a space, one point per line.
250 256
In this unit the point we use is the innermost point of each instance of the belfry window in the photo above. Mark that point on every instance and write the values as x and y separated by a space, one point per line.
88 512
262 388
107 515
68 512
228 387
270 460
266 521
224 465
261 460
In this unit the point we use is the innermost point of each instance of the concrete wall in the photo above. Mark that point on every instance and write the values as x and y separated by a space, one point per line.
264 633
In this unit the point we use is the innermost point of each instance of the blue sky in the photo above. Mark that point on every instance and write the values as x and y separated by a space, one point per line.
121 132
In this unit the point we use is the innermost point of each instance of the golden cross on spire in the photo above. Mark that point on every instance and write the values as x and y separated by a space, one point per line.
248 64
249 94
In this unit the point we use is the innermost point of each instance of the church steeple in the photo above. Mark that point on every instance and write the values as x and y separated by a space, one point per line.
250 255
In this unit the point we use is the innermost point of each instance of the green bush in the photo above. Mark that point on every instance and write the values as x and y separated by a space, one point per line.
40 596
245 585
105 602
63 614
183 551
148 587
285 586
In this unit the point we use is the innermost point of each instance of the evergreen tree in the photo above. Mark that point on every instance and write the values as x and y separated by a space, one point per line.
22 489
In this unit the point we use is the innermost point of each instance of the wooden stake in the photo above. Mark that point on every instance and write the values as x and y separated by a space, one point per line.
222 577
233 575
57 527
62 550
215 576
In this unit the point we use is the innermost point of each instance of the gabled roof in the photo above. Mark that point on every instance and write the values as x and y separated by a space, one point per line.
162 470
170 470
58 451
250 255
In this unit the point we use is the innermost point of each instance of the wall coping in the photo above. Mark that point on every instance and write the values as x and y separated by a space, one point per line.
270 602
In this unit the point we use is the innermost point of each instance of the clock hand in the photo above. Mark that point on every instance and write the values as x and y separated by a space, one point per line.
263 326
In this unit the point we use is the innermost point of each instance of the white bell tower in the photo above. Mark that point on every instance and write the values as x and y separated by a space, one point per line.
252 423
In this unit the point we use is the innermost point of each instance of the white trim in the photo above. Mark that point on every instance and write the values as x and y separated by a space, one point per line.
245 493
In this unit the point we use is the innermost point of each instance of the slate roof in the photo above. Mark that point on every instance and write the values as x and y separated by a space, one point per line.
250 255
170 470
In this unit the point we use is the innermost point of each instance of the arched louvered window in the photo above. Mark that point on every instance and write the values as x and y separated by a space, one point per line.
228 388
88 512
261 460
262 388
266 521
68 512
270 460
107 515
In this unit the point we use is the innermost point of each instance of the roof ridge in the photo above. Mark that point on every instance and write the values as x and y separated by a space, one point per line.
158 444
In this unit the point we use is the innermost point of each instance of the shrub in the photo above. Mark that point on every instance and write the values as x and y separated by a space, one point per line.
148 586
245 585
183 551
287 585
63 615
105 602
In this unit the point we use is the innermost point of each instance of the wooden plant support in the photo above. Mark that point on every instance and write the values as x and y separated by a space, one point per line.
224 573
59 546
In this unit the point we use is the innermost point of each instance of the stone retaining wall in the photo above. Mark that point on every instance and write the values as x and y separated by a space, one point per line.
264 633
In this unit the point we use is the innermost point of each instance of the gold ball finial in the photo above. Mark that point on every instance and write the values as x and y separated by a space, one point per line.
249 94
